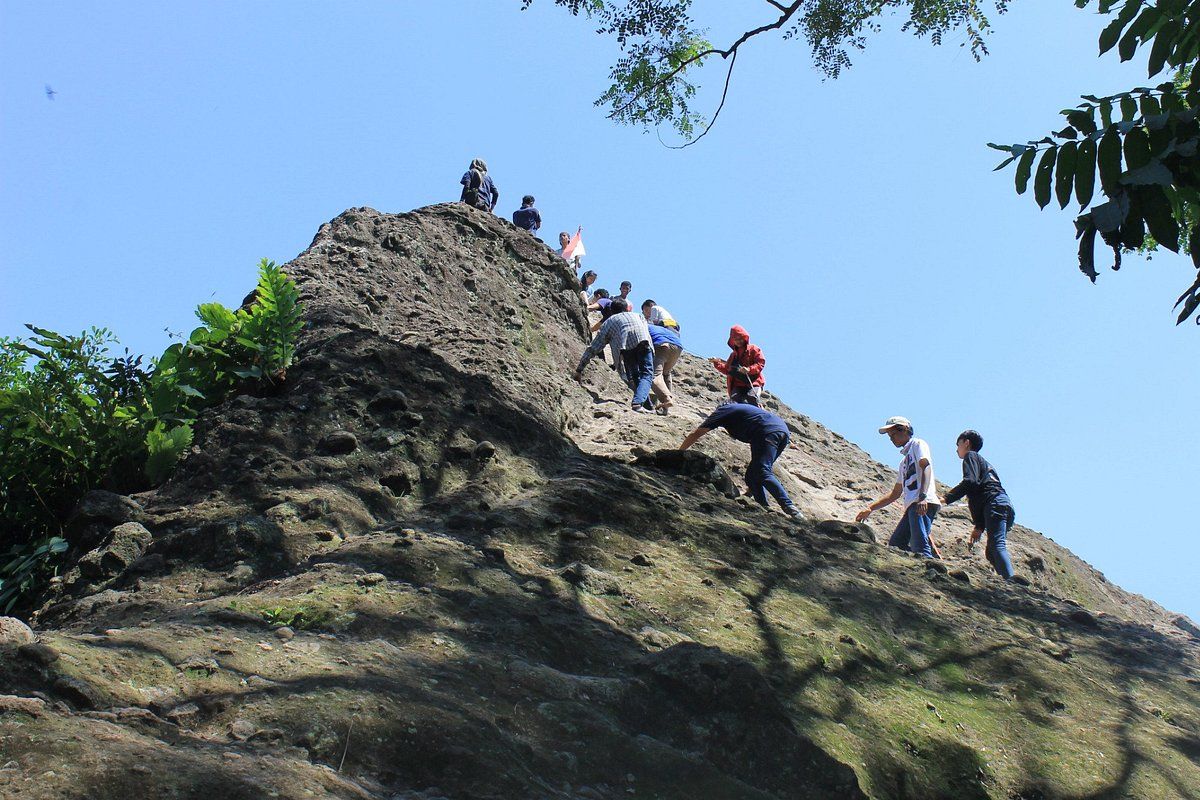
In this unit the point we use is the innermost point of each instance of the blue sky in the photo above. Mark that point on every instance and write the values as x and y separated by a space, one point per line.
854 226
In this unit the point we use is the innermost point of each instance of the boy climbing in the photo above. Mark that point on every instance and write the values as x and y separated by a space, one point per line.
915 483
991 510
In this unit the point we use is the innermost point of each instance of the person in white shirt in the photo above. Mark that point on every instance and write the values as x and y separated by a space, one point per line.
915 483
657 315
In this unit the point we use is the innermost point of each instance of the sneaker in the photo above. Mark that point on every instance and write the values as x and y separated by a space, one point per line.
638 410
795 514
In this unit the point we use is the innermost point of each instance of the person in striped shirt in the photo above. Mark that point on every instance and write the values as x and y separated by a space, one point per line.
629 336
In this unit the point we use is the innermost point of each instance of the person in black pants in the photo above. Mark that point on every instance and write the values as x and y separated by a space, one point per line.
991 510
768 436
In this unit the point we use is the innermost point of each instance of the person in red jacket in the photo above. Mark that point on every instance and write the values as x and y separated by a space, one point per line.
743 369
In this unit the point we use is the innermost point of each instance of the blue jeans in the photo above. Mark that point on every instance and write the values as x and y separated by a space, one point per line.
760 475
639 371
912 534
999 522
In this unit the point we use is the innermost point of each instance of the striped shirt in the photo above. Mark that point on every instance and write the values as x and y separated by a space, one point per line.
624 331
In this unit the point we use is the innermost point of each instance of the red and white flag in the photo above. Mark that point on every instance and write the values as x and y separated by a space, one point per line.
574 248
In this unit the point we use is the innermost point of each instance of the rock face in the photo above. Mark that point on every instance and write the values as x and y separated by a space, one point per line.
488 593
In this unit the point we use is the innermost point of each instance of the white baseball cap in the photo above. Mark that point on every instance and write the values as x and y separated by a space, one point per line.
895 422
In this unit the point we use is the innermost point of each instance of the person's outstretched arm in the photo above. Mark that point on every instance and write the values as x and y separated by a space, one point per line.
886 500
694 437
972 478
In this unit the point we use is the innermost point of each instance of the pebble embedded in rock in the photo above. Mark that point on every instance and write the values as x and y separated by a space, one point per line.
485 450
242 729
373 579
285 634
642 560
338 443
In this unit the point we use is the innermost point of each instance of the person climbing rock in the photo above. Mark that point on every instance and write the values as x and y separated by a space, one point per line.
768 436
585 284
527 217
915 483
657 315
991 510
478 188
668 347
743 369
626 288
627 333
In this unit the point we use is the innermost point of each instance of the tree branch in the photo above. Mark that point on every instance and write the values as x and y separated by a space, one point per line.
787 13
717 113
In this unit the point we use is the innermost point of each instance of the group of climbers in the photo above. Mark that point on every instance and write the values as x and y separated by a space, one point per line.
991 510
645 348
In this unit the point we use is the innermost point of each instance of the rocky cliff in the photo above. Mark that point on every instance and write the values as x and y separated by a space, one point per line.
431 565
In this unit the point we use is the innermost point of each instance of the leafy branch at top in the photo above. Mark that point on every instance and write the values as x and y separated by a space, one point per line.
1142 144
663 46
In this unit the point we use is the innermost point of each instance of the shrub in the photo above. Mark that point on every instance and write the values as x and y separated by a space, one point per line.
73 417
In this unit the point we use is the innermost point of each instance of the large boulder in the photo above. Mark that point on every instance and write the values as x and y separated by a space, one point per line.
125 545
14 633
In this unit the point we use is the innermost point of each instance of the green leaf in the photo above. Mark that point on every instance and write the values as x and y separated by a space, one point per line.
217 317
1108 157
1129 109
1111 33
1065 175
1024 168
164 448
1156 210
1044 176
1162 46
1153 173
1137 148
1106 109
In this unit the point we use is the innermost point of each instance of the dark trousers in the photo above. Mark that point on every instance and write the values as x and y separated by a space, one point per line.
639 371
760 475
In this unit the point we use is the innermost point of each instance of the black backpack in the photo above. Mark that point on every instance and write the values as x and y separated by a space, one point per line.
470 194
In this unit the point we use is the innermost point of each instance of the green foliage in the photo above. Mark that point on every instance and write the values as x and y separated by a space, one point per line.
73 417
164 449
22 567
663 46
1143 144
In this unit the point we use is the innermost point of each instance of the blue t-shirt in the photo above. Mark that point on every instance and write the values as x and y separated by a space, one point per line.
527 218
660 335
745 422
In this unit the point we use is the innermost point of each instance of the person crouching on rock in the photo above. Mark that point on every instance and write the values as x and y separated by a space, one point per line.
991 510
668 347
478 188
527 217
657 315
743 369
629 335
916 485
768 436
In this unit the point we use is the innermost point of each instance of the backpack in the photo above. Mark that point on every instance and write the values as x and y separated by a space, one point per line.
470 193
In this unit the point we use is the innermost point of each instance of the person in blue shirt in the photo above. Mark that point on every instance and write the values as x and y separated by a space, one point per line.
668 347
527 217
768 436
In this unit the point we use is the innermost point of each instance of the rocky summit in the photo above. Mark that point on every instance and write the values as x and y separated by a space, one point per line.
428 564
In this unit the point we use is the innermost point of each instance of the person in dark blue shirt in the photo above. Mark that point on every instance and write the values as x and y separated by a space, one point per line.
991 510
478 188
768 436
527 217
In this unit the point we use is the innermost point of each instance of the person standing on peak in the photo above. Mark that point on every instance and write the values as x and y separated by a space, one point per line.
915 483
629 337
478 188
991 510
657 315
743 370
527 217
668 347
768 436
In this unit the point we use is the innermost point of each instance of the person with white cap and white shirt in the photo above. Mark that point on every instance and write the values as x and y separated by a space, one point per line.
915 483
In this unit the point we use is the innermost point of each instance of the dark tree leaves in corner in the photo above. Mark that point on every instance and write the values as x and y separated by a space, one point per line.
1142 144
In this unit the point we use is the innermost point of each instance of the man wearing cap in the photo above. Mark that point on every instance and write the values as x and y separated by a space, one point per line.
916 485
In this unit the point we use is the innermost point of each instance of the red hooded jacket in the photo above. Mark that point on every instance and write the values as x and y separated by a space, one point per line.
750 356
